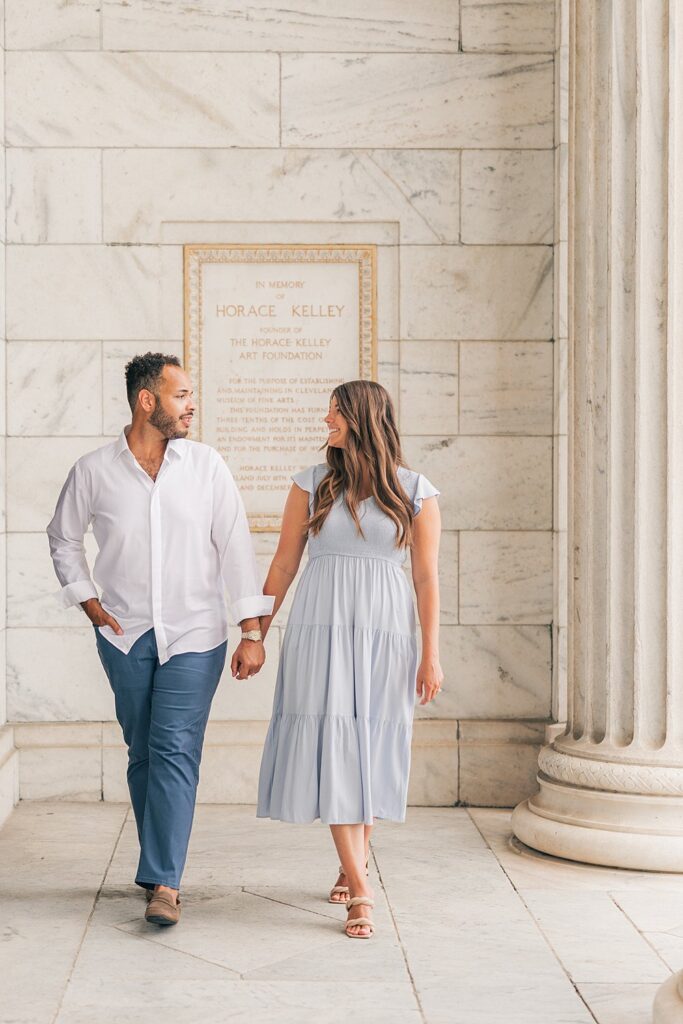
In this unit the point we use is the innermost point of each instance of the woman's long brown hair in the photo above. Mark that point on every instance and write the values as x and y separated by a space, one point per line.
372 437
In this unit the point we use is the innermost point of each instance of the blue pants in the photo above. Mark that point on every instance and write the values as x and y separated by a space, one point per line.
163 711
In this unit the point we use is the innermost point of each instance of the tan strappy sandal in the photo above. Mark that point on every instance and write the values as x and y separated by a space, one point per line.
359 922
340 889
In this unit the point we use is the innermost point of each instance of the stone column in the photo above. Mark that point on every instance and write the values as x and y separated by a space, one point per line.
611 787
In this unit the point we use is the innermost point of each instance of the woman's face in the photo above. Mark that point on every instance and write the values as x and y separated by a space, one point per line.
337 426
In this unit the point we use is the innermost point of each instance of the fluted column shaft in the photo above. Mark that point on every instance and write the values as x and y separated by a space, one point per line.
611 788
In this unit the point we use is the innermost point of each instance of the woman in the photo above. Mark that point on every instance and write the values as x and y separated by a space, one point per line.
338 746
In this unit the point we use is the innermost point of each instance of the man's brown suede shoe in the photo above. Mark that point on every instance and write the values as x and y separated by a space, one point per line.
162 910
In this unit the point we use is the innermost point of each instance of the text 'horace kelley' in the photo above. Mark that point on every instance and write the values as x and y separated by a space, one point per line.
265 310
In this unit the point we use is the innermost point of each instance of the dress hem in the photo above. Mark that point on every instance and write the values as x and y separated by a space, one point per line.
309 821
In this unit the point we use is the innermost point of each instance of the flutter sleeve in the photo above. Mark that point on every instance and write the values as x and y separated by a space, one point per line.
423 489
308 480
305 479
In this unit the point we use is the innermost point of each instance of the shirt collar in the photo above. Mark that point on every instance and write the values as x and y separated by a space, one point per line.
175 447
121 444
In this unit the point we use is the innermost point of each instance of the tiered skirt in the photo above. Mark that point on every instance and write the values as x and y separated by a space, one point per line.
338 744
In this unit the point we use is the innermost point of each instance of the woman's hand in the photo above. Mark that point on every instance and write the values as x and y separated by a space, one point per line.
429 679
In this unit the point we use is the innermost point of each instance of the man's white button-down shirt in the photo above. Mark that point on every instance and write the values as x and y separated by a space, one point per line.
169 548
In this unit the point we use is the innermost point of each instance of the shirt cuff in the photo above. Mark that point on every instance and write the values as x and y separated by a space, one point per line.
251 607
74 593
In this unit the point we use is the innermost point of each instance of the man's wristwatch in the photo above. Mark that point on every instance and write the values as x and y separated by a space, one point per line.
252 634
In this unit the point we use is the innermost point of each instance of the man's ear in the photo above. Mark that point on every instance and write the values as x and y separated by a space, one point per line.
147 400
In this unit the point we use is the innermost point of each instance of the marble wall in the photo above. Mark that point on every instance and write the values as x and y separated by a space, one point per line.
9 758
429 129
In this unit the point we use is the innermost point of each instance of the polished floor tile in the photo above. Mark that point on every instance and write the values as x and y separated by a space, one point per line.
471 928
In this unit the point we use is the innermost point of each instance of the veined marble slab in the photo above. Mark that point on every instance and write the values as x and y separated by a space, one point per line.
417 101
448 577
53 861
9 781
32 585
52 24
506 387
507 196
482 931
508 26
3 169
54 195
487 483
85 292
663 914
506 577
4 796
3 599
498 762
143 188
388 308
54 388
264 25
434 765
619 1002
388 370
3 487
55 675
612 950
142 99
477 292
79 777
43 459
429 387
493 672
250 232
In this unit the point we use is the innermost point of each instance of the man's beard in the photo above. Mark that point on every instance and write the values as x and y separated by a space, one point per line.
166 424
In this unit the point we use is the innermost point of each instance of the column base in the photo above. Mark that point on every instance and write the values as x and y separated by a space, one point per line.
668 1005
620 830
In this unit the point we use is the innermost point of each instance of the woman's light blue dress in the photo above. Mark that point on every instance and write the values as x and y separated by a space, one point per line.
338 745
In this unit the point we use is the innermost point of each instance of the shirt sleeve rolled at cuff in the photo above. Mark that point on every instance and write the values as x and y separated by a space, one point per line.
251 607
74 593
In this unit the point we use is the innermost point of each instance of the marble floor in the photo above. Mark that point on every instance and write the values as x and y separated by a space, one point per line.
471 929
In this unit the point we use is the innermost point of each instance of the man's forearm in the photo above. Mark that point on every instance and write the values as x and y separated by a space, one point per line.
247 624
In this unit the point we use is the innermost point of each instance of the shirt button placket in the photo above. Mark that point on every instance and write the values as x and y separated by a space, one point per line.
157 565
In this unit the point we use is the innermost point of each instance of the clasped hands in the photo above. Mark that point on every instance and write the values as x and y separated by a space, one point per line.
248 659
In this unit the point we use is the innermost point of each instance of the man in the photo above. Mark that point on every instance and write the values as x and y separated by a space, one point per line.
172 536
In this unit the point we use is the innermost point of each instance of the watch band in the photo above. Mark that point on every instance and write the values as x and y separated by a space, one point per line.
252 634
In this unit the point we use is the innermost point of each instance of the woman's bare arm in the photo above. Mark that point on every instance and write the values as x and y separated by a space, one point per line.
425 570
287 558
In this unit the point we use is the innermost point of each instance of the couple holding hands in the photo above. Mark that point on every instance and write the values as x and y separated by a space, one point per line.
173 537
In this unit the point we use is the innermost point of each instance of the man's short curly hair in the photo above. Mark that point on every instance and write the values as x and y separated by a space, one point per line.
145 372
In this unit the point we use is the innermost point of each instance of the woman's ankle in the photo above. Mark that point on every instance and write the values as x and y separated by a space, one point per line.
361 888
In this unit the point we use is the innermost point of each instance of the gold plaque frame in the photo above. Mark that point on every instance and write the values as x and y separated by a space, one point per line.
197 255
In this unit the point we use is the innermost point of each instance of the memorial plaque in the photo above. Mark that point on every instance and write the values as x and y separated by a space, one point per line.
270 330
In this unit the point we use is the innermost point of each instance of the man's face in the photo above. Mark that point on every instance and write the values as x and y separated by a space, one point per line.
175 404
